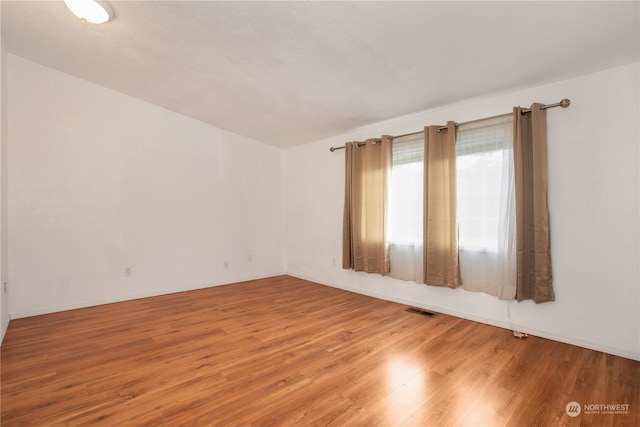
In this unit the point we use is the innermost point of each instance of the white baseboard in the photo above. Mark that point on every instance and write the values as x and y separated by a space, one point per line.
5 326
130 297
480 319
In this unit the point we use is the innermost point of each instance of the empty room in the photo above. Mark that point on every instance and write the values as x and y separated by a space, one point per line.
310 213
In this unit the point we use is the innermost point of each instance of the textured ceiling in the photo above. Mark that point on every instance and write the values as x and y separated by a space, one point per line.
288 73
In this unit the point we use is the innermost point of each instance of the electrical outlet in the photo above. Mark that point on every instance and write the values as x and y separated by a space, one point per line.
333 262
128 272
5 287
226 265
250 258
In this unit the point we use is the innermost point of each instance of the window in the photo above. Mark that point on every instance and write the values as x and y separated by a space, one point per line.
485 207
483 163
472 174
405 208
406 190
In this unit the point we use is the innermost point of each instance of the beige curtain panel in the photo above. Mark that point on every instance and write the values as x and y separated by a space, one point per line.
441 263
367 169
533 254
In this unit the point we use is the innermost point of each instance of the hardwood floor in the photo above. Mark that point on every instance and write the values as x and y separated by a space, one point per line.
286 352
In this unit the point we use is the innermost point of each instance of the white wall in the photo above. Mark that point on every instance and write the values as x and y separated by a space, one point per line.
4 300
100 181
594 207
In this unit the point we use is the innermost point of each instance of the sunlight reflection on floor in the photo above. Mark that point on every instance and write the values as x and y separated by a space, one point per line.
405 385
482 413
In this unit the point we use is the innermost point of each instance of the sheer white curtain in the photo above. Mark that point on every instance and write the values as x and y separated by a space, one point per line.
406 207
486 215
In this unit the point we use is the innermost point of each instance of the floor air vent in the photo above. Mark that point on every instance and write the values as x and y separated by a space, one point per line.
421 311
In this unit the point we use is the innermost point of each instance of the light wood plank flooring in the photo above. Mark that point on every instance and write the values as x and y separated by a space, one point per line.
286 352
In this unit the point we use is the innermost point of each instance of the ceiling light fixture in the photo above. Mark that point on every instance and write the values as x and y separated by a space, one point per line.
94 11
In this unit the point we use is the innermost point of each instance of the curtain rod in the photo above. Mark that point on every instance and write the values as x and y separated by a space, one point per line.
564 104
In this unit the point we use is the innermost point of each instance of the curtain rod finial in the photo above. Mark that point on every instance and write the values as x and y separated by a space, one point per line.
565 103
